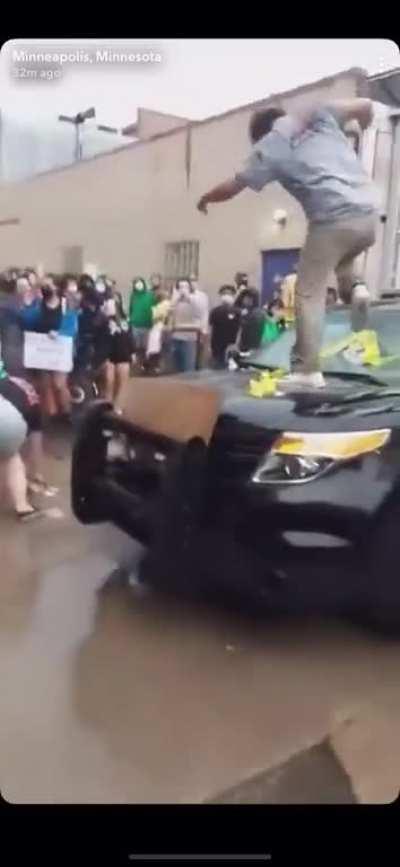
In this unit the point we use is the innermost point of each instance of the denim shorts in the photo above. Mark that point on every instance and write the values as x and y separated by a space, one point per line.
13 429
140 338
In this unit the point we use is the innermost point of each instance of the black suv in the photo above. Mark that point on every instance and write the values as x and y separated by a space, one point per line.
293 506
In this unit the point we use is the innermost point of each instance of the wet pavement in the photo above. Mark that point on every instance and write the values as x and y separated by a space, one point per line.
111 695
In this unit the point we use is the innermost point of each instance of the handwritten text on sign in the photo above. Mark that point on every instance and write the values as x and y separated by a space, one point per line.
42 352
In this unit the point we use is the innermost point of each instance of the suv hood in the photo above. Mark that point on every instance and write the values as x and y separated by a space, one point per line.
345 404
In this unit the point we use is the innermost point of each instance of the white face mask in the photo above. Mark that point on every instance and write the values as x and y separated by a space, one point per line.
100 286
139 287
228 299
184 291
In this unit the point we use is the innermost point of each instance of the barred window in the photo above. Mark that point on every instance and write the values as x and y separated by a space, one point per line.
181 259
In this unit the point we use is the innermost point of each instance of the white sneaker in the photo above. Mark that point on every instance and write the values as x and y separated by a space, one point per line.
302 380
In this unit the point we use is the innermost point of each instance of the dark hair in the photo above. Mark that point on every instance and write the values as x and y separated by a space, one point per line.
183 280
227 288
261 122
249 292
64 280
90 296
7 284
86 284
241 278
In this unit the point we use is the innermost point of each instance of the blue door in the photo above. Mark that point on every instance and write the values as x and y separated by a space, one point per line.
276 264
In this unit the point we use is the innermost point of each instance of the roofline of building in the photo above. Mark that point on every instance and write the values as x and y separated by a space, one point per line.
388 72
135 124
357 72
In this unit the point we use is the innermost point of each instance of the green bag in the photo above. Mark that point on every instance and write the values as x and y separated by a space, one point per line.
270 332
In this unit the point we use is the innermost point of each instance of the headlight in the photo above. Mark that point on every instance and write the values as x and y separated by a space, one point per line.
296 458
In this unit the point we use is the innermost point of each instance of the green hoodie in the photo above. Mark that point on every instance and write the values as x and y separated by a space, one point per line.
140 307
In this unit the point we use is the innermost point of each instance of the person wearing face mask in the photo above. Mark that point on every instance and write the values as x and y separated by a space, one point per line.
29 303
54 388
101 287
186 321
224 324
120 349
140 316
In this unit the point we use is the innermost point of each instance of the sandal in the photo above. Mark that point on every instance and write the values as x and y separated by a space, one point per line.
39 486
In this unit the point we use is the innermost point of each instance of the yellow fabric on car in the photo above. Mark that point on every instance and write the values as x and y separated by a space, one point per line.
360 347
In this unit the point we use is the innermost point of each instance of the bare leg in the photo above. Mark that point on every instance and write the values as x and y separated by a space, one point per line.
62 392
16 483
33 456
47 396
107 379
120 385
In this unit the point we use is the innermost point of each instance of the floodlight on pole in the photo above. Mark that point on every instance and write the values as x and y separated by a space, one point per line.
78 120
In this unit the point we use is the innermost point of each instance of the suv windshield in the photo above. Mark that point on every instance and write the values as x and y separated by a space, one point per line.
384 320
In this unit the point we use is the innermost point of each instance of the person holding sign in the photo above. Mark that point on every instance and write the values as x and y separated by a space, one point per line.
50 321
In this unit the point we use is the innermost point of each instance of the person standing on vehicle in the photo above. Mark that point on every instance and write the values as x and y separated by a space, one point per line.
224 324
140 316
309 154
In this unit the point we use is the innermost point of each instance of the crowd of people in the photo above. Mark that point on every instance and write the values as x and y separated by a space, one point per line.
157 329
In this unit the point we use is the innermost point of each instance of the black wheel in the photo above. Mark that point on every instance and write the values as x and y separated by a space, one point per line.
383 570
83 391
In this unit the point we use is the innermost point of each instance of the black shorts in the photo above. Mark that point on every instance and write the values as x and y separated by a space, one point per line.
120 349
119 356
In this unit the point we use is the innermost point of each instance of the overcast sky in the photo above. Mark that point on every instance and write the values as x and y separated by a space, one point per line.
196 77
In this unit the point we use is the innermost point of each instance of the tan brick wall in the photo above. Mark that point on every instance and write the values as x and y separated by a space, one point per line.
123 207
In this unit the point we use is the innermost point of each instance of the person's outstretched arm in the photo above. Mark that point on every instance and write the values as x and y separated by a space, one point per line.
344 110
221 193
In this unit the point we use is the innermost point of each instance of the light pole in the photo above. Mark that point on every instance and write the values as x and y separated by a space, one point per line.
78 120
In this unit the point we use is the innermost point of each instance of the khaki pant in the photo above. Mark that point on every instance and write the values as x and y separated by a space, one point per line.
328 248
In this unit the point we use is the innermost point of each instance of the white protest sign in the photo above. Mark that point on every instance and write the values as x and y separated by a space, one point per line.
42 352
